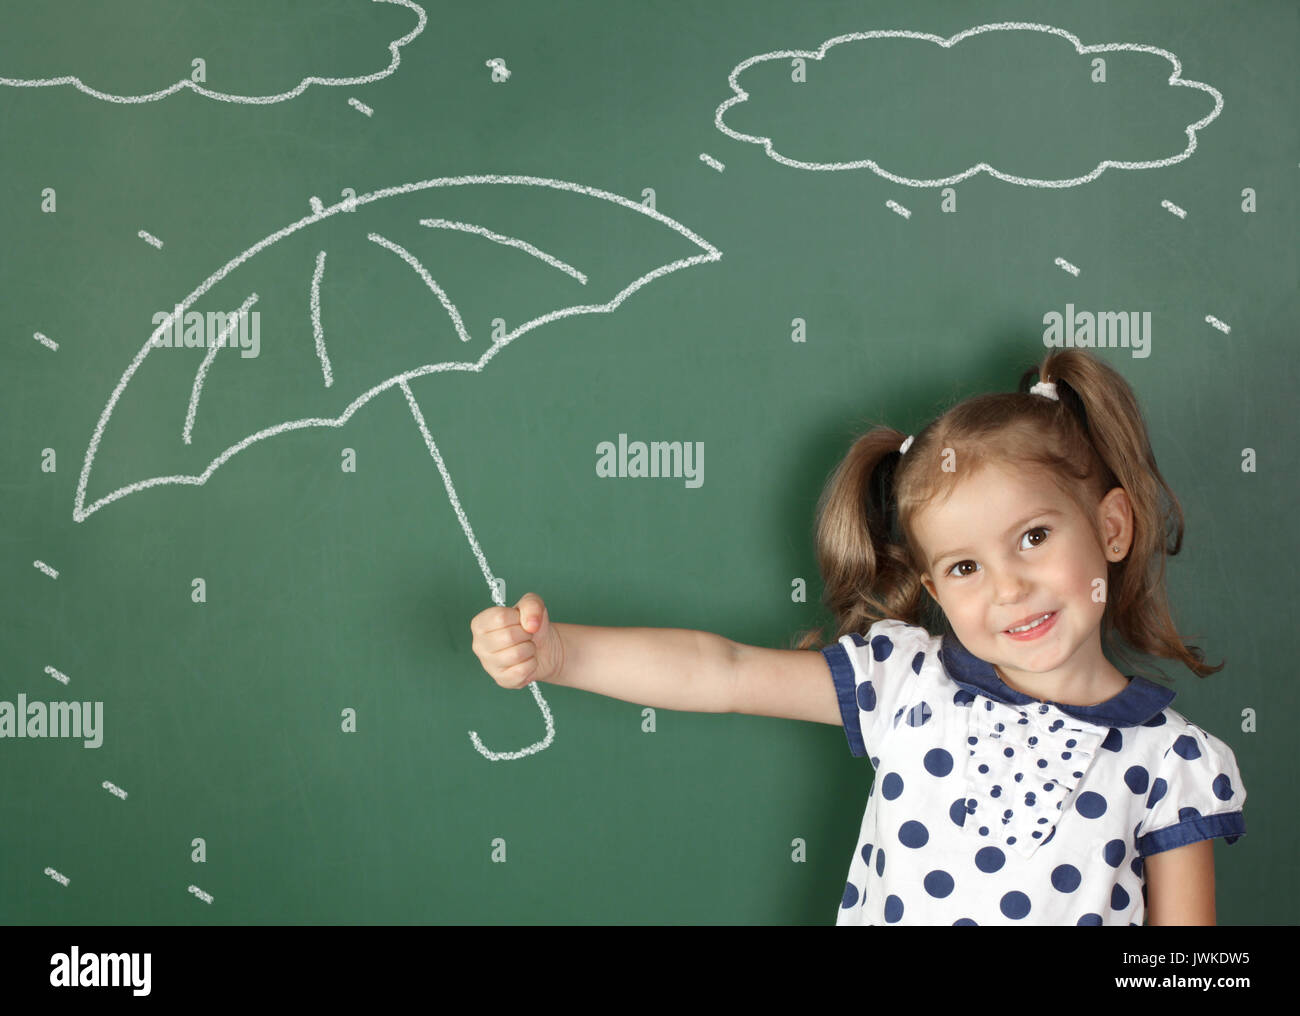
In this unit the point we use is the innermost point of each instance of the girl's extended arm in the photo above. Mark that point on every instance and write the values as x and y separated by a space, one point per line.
1180 885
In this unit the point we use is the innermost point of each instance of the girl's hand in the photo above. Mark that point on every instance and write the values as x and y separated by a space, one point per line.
518 645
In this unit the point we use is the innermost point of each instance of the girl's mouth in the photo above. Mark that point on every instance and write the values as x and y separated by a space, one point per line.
1036 629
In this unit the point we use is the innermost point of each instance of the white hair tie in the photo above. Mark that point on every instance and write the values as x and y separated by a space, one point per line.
1047 389
905 445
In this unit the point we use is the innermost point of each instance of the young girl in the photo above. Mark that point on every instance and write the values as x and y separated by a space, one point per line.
1020 777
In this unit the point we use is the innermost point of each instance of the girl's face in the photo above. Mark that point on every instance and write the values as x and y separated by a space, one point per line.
1006 548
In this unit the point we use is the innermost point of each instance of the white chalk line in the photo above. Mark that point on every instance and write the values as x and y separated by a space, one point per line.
58 675
1066 266
1174 79
243 99
904 212
1181 213
359 105
709 160
423 272
61 879
80 512
201 374
316 206
114 789
508 241
46 341
492 587
150 239
46 568
1210 319
196 891
316 329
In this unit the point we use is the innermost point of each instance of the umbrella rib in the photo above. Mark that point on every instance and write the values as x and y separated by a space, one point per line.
423 272
493 587
315 320
202 373
509 241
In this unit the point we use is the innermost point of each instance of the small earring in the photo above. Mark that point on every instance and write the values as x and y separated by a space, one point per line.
1115 549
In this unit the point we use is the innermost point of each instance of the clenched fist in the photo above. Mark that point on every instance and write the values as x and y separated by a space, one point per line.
518 645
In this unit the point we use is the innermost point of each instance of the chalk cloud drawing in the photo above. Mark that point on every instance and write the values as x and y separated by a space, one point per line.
315 354
1175 79
257 100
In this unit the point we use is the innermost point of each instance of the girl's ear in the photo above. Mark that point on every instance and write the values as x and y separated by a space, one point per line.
929 586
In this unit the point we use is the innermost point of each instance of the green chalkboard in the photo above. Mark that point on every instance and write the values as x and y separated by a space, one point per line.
453 256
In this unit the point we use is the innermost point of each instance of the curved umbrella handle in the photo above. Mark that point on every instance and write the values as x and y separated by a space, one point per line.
497 598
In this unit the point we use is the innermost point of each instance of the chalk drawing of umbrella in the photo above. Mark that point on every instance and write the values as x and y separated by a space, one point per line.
516 227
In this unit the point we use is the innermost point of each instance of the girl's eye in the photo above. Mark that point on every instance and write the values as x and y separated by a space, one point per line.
1037 529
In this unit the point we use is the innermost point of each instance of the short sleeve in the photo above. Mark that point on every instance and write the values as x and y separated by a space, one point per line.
874 676
1197 794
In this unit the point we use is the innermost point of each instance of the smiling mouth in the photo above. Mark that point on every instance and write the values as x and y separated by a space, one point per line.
1038 622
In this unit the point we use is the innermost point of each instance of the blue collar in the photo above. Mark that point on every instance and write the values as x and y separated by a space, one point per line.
1141 701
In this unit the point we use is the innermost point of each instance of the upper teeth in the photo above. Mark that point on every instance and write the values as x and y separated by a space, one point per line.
1033 624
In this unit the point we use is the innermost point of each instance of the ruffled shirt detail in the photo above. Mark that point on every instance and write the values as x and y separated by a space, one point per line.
1024 764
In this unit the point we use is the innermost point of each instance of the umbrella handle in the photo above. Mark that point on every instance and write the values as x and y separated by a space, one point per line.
497 598
497 756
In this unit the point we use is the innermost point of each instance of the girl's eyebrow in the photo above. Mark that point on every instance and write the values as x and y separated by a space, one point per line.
1040 513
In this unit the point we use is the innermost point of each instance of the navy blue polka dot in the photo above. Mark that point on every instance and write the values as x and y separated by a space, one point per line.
1222 787
1158 720
891 786
1157 791
1114 740
893 909
866 696
913 834
996 791
964 922
984 768
880 861
1042 763
1091 804
881 647
1114 852
1008 752
866 854
957 812
1185 747
1185 813
917 660
984 830
1137 778
1118 898
990 859
850 896
1071 743
938 762
938 884
1089 920
1136 867
963 698
1014 905
919 714
1066 878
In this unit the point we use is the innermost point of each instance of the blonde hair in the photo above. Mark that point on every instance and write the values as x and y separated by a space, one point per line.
1090 441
